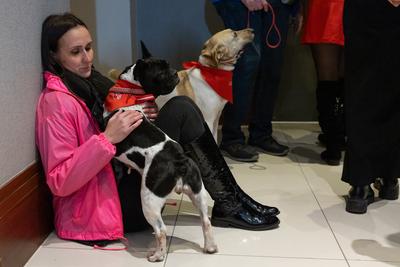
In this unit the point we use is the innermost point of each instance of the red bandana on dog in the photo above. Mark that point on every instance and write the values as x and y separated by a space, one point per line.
219 80
124 94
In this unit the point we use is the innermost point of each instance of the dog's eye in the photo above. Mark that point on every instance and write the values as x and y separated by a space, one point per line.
235 34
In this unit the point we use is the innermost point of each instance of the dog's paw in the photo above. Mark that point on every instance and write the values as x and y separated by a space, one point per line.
155 256
210 249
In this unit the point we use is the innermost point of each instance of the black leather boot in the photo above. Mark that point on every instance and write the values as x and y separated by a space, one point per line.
339 110
331 121
388 188
359 198
232 207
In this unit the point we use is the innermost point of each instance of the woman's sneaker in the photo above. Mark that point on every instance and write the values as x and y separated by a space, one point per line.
270 146
239 152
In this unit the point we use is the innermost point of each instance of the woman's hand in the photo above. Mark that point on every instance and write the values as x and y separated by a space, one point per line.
254 5
150 109
121 124
298 20
395 3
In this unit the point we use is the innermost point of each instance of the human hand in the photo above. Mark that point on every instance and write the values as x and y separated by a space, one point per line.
395 3
150 109
254 5
298 22
121 124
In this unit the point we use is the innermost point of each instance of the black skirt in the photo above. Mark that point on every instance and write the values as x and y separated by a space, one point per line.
372 91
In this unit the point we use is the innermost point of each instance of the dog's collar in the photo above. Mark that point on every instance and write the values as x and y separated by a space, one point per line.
124 94
218 79
125 87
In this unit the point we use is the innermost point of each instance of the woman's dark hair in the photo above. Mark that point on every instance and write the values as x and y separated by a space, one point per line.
53 28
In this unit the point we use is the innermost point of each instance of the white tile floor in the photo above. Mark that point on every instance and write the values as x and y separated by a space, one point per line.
314 231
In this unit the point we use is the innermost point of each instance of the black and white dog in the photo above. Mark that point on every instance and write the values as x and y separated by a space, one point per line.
160 160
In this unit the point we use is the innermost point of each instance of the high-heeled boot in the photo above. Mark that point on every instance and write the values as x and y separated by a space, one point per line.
338 111
232 206
331 121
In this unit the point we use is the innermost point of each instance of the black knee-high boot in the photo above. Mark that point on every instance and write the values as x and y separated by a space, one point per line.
232 207
340 112
331 120
323 113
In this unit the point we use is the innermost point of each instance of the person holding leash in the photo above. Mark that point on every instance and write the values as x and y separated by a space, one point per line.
90 206
256 76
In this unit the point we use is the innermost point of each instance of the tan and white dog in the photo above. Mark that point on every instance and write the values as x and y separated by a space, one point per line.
209 81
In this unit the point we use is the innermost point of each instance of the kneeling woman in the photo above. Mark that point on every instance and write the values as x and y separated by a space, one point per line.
77 156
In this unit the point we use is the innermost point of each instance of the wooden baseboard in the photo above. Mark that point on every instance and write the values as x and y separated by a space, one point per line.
26 216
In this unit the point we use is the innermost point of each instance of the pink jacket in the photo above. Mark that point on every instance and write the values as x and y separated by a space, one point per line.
76 160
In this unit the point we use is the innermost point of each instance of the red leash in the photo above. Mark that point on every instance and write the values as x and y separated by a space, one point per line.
272 27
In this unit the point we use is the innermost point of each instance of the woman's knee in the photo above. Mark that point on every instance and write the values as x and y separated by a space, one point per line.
183 105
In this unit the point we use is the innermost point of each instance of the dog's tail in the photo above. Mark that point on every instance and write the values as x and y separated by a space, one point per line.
145 51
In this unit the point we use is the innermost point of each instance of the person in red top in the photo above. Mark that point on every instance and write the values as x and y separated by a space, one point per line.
90 204
323 31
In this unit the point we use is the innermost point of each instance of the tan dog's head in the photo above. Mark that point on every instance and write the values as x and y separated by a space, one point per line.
224 48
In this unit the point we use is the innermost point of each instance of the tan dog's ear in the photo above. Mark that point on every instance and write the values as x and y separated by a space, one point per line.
214 53
220 52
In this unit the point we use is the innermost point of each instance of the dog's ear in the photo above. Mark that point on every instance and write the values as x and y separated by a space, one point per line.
145 51
220 52
138 68
214 53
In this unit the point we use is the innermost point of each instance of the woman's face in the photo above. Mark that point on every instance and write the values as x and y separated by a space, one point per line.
75 51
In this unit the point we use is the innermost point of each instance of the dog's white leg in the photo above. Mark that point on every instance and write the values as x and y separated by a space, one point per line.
200 201
152 205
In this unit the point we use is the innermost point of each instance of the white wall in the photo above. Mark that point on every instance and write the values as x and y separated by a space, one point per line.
20 79
109 23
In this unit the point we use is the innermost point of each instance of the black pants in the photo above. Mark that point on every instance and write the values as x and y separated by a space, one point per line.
182 121
257 73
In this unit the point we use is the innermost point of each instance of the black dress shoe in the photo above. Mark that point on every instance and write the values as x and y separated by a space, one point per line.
255 206
242 219
388 188
270 146
359 198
